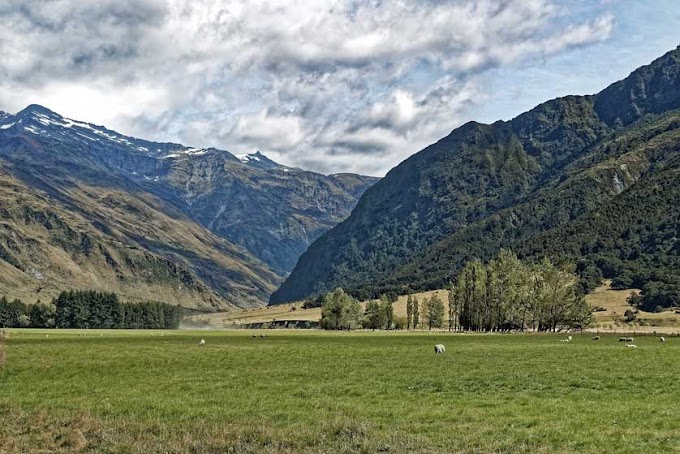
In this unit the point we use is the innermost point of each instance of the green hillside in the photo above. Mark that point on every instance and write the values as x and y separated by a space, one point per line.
82 236
484 187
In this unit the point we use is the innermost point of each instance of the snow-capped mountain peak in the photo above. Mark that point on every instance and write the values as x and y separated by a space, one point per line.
260 161
39 120
36 120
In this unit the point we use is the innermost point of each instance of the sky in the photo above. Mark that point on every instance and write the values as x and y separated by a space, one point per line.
331 86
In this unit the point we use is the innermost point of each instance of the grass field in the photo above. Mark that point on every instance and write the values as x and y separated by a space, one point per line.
311 391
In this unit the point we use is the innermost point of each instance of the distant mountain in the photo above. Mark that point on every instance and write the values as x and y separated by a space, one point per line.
545 183
260 161
87 207
273 211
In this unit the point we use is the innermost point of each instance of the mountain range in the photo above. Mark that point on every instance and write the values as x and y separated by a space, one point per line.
594 179
83 207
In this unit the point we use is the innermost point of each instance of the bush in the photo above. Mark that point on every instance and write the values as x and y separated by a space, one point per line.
634 299
629 315
400 322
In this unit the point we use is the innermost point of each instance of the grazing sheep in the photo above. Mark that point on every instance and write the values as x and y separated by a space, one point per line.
254 335
569 338
202 342
625 339
662 339
263 335
631 345
439 348
596 338
565 340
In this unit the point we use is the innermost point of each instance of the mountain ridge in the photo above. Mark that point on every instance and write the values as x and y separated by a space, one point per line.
466 181
184 189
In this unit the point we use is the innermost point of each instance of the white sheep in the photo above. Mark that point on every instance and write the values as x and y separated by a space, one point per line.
439 348
662 339
202 342
596 338
631 345
565 340
569 338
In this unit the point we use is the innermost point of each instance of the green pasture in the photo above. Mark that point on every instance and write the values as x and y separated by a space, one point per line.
314 392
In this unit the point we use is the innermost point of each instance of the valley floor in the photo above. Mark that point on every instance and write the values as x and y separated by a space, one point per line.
313 391
609 320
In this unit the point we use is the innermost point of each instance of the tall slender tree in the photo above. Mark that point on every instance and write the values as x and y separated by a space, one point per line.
373 315
452 306
416 312
409 311
387 311
506 294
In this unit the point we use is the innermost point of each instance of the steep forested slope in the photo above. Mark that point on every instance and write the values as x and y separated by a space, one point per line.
488 186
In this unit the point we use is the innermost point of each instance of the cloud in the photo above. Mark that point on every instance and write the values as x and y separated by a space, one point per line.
279 132
315 83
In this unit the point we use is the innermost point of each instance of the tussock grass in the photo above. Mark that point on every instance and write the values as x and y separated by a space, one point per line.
615 305
614 301
315 392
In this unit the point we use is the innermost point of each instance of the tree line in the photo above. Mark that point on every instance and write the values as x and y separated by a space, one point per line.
504 294
507 294
89 310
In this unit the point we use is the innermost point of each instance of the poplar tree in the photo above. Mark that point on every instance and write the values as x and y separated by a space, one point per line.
373 315
434 312
452 306
416 312
506 294
409 311
387 311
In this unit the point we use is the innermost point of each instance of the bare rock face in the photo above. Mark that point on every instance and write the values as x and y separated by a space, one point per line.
273 211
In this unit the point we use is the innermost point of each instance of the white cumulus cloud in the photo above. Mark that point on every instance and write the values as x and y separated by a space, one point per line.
336 85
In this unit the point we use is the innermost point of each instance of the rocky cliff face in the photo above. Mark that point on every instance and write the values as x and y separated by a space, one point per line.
198 227
489 186
274 212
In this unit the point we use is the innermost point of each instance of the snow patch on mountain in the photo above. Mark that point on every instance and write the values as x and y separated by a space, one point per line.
246 158
260 161
38 120
187 152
